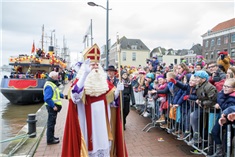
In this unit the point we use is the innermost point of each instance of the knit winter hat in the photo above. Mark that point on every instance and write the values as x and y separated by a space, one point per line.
200 56
201 74
150 75
123 72
160 76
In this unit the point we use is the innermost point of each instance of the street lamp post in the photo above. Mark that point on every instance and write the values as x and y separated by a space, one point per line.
107 28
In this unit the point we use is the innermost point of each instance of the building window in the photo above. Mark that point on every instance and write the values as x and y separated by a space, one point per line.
175 61
123 56
206 55
212 55
133 56
207 43
212 42
233 53
219 41
134 47
233 38
225 39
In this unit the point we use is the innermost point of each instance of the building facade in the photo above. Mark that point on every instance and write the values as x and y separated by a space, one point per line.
171 59
133 53
220 38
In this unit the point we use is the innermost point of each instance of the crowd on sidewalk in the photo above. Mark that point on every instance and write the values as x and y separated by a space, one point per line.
195 102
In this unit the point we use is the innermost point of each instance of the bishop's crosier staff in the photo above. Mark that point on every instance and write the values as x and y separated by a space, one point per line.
119 77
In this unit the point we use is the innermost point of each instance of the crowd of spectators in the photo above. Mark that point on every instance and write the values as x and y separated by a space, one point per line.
63 77
192 101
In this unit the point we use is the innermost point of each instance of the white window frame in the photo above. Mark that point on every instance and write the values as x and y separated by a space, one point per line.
134 47
207 43
206 55
233 53
212 42
226 39
233 38
219 41
123 56
133 56
212 55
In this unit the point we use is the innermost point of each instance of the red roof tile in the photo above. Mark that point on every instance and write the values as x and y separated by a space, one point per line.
224 25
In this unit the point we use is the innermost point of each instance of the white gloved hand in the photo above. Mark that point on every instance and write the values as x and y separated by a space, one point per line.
77 66
76 97
87 66
120 86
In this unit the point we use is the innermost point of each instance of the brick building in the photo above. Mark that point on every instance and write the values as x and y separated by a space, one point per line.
219 38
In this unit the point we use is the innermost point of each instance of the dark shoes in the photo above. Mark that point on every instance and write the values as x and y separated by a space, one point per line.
56 138
53 142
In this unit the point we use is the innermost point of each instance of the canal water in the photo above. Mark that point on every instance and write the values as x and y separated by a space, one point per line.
13 117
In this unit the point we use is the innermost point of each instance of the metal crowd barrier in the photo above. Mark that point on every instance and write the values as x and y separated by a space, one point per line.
139 100
191 118
152 106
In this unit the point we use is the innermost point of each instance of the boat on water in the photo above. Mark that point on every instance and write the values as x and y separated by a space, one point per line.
26 81
25 84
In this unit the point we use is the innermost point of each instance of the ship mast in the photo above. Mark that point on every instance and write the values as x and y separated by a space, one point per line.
42 36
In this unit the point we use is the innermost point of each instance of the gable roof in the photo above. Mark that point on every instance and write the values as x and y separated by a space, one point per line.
197 49
127 43
224 25
158 50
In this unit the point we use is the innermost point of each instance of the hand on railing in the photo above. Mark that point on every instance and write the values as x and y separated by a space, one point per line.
217 106
199 102
231 117
222 120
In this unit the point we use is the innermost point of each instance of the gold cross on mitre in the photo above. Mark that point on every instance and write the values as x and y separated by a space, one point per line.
93 53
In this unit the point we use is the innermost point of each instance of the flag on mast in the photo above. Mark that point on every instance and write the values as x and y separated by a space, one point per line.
88 35
33 48
88 32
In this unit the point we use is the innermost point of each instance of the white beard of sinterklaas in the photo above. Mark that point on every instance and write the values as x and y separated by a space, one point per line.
96 83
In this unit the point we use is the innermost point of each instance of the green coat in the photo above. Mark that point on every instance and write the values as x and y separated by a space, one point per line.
207 94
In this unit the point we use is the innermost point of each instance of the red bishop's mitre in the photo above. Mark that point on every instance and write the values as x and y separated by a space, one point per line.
93 53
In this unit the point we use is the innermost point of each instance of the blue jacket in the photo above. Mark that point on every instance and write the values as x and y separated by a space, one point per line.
191 91
155 64
225 100
48 94
170 90
229 110
178 98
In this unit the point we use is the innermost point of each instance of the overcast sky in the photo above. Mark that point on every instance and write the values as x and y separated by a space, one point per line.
169 24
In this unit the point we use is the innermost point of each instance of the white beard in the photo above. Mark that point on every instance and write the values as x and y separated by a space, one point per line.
96 83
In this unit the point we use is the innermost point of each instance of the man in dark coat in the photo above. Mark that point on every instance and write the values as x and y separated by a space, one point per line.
111 71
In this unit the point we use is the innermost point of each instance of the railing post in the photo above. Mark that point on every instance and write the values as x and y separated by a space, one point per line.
32 125
228 140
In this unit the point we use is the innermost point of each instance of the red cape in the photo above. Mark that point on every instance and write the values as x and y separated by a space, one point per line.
72 133
120 141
